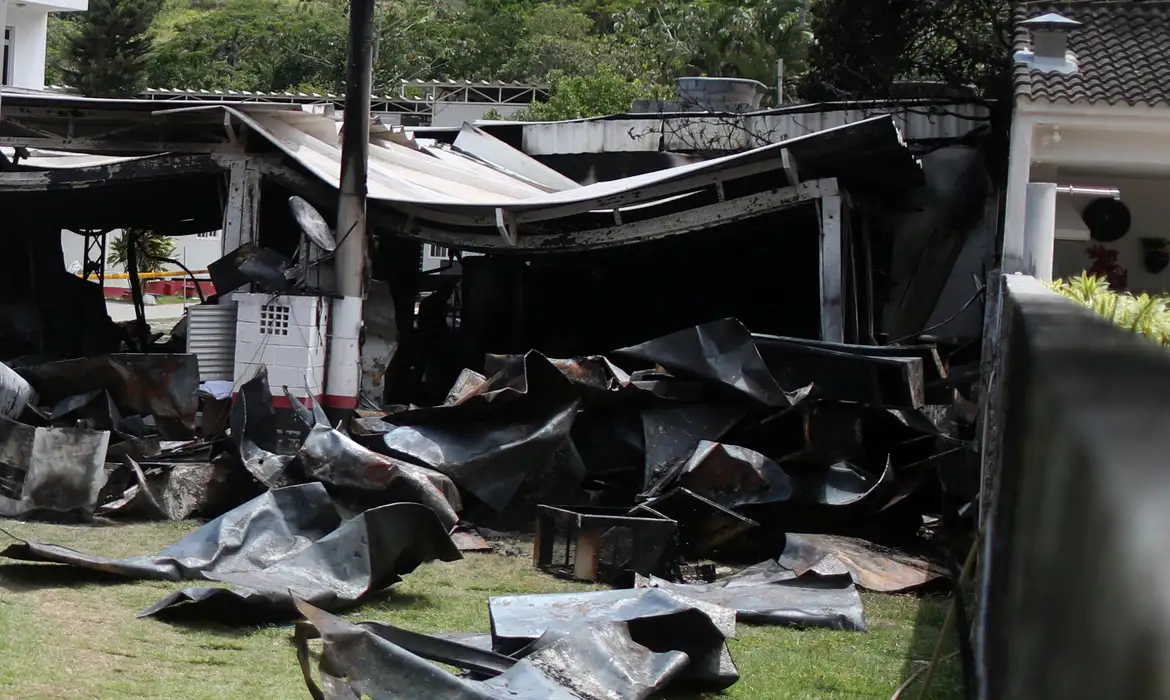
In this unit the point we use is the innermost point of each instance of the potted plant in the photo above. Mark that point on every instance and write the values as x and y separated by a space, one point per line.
1155 254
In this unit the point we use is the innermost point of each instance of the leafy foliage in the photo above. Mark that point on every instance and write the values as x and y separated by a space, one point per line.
151 246
108 49
864 47
617 48
1143 314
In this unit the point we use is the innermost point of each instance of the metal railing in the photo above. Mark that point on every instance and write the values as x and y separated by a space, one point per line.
1076 596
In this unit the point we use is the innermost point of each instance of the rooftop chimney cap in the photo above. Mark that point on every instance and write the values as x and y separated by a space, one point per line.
1049 52
1051 22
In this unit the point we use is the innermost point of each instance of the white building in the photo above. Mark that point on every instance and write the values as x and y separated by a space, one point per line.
26 26
1091 122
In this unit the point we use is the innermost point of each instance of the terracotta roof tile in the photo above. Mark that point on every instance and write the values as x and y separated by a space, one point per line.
1122 52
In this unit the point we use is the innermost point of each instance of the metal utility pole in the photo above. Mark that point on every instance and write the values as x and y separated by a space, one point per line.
343 373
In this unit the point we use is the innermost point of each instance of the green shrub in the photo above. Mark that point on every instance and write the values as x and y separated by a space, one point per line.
1144 314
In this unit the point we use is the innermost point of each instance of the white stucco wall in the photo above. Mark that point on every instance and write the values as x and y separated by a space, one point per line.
1148 200
30 24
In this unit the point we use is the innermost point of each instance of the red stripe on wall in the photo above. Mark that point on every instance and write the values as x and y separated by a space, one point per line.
345 402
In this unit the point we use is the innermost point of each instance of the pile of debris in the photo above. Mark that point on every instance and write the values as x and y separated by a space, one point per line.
714 446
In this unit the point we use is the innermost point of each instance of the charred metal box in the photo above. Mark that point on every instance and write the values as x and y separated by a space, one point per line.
604 544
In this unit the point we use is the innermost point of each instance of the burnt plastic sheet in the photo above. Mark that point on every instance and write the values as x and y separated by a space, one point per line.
289 539
721 353
335 459
157 385
658 620
50 472
769 594
515 426
870 566
597 662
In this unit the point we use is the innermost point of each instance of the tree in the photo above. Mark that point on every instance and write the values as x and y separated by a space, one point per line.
862 48
151 246
109 48
606 91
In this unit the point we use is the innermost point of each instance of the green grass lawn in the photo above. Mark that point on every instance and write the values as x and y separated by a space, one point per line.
69 634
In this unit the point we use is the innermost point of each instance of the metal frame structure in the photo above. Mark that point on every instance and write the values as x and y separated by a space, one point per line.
95 254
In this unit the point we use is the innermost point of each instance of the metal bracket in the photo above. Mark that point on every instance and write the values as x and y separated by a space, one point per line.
507 227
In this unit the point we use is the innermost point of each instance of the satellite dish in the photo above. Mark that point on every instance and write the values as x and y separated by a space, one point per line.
312 224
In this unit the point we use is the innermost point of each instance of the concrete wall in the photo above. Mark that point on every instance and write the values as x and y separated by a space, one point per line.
196 252
456 113
1148 200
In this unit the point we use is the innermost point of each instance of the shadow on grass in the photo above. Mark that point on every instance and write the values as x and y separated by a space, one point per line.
23 578
947 683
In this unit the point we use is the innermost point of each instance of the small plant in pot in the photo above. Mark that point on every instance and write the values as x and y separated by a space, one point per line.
1155 254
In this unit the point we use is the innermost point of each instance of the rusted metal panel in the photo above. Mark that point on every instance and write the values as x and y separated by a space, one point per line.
160 385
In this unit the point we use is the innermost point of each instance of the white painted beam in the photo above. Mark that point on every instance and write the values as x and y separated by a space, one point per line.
832 270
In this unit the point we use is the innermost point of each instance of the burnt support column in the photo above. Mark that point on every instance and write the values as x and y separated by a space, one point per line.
343 376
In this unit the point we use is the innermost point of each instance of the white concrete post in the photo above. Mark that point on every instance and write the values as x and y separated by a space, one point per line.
1040 230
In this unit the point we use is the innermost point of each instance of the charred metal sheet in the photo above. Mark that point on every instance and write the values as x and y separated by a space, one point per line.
253 430
56 472
480 660
599 662
729 475
870 566
271 527
769 594
96 408
592 374
158 385
177 490
516 425
366 554
282 544
658 620
467 384
721 353
933 368
250 264
875 380
15 393
337 460
591 543
704 526
671 432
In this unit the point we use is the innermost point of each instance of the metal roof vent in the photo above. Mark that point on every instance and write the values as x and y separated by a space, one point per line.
1049 52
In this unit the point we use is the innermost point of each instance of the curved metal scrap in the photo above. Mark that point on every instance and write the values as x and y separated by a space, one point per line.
601 661
871 566
285 539
332 458
720 352
770 594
